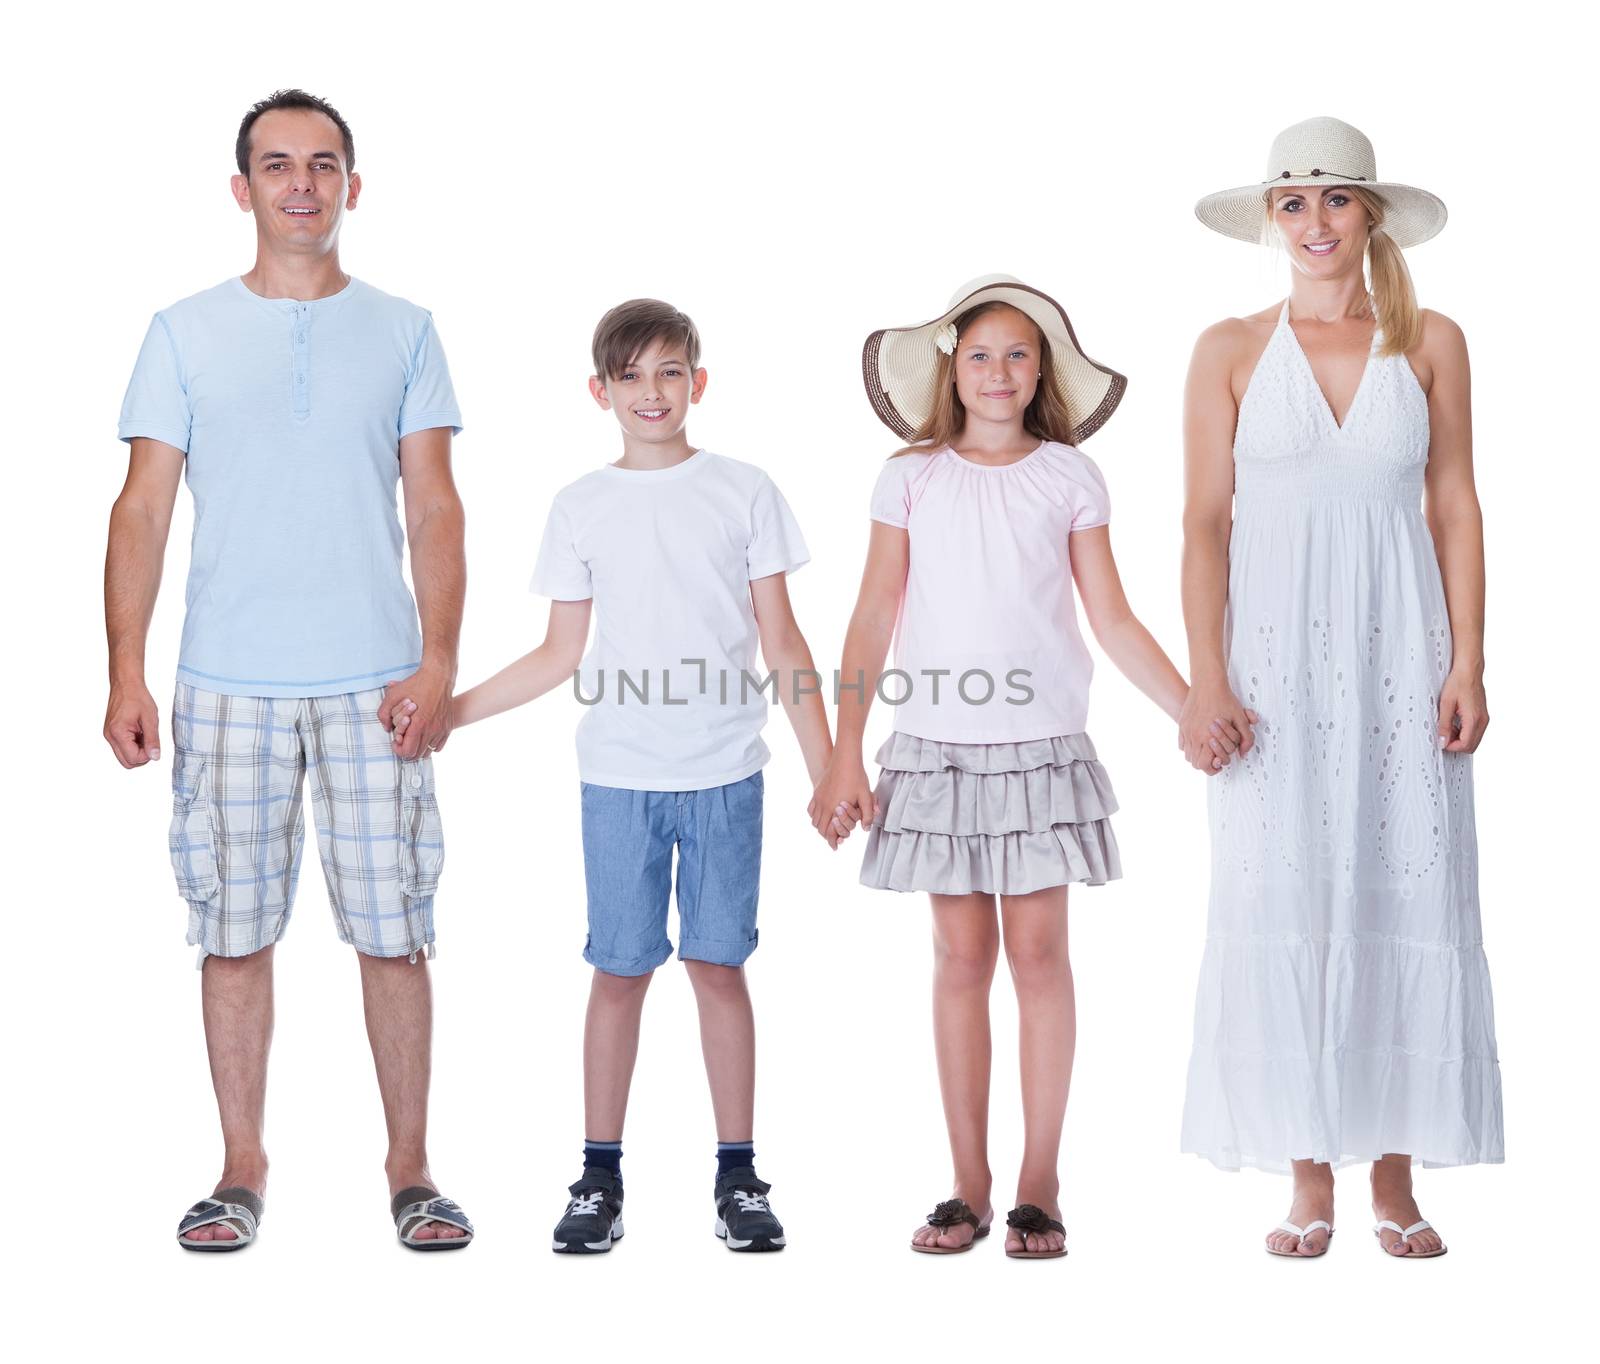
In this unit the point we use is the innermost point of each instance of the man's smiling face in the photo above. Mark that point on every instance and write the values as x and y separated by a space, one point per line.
299 186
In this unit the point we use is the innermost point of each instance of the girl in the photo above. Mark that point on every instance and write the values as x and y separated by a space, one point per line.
990 786
1344 1010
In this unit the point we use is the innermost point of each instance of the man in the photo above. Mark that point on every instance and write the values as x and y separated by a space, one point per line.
292 398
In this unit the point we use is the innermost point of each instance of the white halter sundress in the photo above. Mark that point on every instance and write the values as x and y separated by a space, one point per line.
1344 1009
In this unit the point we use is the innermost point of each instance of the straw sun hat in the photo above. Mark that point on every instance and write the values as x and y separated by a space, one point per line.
1323 152
901 363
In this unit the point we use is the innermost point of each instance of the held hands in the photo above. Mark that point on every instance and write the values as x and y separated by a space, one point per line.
1213 726
842 799
417 712
133 726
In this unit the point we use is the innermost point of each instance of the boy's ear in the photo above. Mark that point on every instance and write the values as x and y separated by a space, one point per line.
699 386
597 391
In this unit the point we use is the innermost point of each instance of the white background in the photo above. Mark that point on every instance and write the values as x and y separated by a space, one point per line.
793 178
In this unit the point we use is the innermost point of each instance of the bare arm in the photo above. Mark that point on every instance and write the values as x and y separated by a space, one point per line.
1456 521
1122 634
135 546
435 531
788 657
535 673
1212 723
866 645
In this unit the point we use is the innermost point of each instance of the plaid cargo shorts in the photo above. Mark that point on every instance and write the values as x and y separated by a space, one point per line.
237 825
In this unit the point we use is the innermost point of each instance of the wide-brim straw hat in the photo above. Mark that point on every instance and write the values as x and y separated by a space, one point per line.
1323 152
901 364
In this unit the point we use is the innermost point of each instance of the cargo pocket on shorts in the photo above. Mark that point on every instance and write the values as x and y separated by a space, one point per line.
192 840
421 832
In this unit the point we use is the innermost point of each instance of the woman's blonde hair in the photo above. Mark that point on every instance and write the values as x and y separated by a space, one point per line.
1046 417
1394 297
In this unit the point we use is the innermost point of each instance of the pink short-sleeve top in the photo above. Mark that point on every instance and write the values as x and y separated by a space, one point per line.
987 645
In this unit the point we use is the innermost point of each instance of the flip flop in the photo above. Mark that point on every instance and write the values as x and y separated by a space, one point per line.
234 1204
1028 1218
1302 1233
414 1207
1405 1234
953 1212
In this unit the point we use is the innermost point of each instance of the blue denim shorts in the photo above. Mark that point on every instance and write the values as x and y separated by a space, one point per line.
628 838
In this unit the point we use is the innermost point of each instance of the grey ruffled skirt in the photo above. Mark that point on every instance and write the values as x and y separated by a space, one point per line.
1006 819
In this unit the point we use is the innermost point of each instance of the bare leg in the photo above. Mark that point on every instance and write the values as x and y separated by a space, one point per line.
966 946
610 1047
236 1003
1041 970
1313 1201
728 1041
1392 1201
398 1000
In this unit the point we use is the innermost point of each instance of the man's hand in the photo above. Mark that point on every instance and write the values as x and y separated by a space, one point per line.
428 690
133 726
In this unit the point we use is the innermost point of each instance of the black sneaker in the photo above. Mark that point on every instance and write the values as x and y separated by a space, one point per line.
593 1219
744 1217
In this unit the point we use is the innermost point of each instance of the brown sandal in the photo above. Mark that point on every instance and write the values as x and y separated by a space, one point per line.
953 1212
1026 1219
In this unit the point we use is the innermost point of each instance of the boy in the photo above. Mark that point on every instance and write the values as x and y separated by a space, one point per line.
684 553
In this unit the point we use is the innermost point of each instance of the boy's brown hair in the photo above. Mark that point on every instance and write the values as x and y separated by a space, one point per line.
628 330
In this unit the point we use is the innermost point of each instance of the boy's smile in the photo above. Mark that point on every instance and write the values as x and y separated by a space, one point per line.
651 398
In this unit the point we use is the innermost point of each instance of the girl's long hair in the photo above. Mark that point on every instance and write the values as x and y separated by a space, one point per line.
1046 417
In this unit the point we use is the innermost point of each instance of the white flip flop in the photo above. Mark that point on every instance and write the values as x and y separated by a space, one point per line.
1405 1234
1302 1233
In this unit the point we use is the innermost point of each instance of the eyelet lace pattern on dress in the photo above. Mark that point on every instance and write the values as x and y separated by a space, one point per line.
1344 1008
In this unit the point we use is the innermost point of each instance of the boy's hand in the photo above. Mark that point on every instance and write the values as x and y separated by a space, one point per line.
844 795
845 817
429 690
838 823
400 714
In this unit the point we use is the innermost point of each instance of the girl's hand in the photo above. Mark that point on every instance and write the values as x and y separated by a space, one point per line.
1213 726
843 797
845 818
1463 712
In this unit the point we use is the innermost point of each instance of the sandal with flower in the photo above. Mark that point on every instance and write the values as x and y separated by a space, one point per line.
953 1212
1031 1220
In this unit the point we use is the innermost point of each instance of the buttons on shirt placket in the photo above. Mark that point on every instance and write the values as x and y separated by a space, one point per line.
300 325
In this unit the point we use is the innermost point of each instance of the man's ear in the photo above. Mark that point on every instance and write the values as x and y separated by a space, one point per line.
597 391
240 185
699 386
355 190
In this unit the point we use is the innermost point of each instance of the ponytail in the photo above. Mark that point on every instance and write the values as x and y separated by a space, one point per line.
1394 298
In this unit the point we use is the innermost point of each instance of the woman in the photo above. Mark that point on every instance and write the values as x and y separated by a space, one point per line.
1335 627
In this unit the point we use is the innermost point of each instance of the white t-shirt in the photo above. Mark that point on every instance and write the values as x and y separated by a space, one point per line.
988 633
668 556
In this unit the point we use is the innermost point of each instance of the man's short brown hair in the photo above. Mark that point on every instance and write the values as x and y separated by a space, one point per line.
629 329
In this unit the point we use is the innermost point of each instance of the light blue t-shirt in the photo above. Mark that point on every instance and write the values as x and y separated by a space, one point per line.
291 416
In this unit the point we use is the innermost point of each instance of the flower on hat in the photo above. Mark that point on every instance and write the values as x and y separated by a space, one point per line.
945 338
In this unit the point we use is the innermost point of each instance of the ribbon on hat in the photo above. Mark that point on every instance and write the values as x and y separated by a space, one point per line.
1300 175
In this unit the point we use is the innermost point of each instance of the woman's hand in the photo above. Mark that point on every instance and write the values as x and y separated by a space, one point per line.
1213 726
1463 711
842 798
